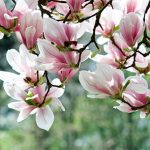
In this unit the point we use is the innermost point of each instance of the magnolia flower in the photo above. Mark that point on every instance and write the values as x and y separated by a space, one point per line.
63 34
135 95
35 101
23 63
115 55
31 28
8 21
128 6
74 9
99 3
61 63
109 24
105 82
75 5
131 28
51 5
109 21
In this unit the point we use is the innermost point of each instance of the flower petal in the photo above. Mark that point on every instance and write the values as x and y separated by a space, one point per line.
44 118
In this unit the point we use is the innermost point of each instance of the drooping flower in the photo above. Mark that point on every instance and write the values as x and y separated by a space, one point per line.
105 82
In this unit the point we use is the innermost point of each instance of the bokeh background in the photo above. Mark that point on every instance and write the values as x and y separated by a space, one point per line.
87 124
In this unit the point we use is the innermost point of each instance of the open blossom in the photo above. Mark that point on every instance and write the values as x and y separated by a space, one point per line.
105 82
23 63
62 35
61 63
109 20
34 101
135 95
31 28
131 28
115 55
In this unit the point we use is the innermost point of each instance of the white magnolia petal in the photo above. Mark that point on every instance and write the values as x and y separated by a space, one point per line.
55 91
24 113
44 118
13 59
29 34
14 91
18 105
124 108
56 103
8 76
1 35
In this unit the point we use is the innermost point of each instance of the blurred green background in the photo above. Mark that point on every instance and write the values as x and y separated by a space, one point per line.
87 124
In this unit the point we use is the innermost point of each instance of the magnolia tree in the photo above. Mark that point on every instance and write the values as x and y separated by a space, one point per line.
49 32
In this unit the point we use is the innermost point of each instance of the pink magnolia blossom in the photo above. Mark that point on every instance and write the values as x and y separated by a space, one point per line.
131 28
128 6
135 95
62 35
135 6
99 3
34 101
31 28
115 55
61 63
109 20
131 6
75 8
51 4
8 20
75 5
23 63
105 82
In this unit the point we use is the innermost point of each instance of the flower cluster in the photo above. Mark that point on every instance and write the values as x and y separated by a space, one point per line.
50 31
